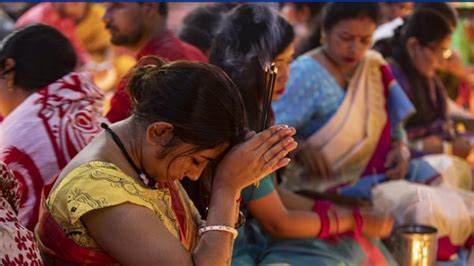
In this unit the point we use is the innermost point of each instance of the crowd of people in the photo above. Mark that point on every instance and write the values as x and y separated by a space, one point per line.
289 133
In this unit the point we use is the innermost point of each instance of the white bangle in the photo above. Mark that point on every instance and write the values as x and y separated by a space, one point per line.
223 228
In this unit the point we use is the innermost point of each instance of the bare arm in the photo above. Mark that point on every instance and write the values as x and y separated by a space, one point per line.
301 222
280 222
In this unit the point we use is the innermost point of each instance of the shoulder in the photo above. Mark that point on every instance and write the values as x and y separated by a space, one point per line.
95 185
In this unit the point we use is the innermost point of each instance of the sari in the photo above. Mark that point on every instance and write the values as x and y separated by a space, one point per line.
64 239
45 132
17 244
354 130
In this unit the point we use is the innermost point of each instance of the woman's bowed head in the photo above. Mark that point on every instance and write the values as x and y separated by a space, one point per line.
185 134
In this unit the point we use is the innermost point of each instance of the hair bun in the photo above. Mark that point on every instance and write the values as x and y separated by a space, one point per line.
140 74
151 60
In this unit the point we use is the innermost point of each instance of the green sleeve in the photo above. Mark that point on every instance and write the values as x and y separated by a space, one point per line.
253 192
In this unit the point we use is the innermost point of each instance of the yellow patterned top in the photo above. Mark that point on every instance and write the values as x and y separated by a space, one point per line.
97 185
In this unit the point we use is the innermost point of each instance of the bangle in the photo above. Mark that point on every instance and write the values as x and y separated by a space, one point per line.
321 207
359 221
222 228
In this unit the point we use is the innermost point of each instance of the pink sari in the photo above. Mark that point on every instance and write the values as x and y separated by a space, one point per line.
45 132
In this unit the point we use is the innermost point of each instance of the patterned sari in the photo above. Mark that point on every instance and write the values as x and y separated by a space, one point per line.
45 132
17 244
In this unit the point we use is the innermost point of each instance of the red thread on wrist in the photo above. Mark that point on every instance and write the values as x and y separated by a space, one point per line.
321 207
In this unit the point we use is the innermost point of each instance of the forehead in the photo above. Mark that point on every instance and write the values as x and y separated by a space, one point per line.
210 154
355 26
287 53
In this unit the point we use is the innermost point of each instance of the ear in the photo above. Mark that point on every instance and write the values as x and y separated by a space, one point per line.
8 70
159 133
411 46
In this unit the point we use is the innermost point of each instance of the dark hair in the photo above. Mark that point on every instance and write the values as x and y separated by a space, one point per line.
444 9
199 100
42 55
427 27
201 24
250 37
313 39
336 12
163 9
313 7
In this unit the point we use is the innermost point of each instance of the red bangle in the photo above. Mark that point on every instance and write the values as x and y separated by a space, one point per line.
359 221
321 207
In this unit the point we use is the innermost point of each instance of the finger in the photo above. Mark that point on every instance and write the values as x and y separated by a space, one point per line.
263 136
274 139
287 142
282 163
250 135
291 146
268 166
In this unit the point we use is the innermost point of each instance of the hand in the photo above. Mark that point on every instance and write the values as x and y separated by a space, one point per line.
397 161
461 147
376 225
258 156
433 144
313 161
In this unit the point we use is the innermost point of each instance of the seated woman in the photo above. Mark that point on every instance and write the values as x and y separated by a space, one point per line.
349 111
50 112
17 242
264 38
120 199
417 50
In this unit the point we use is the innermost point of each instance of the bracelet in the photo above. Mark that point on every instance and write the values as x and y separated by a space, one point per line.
321 207
359 221
222 228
